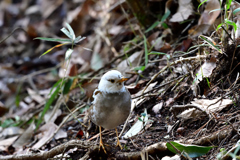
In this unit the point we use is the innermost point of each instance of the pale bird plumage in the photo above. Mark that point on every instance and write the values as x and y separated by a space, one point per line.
105 84
112 102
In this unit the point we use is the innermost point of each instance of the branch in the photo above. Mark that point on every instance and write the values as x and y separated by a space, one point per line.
49 154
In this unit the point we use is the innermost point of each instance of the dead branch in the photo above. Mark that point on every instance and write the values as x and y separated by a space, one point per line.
49 154
218 135
153 149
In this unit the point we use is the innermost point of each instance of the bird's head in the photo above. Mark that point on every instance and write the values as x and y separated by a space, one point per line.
112 82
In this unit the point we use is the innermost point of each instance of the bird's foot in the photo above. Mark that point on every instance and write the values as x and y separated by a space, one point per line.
119 144
102 146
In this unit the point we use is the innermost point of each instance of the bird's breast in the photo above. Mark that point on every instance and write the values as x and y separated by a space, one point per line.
110 109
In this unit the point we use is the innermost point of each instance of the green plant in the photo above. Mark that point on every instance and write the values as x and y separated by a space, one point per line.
225 153
161 22
192 151
71 40
63 85
11 122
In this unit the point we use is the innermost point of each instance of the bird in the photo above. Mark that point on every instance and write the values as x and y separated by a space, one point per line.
111 105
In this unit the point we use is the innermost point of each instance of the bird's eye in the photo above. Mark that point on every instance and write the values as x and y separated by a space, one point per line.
112 80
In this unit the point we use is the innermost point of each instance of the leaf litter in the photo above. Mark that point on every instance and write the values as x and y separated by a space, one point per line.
187 94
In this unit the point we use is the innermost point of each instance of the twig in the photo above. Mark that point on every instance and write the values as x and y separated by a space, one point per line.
113 60
66 118
156 88
49 154
36 73
175 62
12 33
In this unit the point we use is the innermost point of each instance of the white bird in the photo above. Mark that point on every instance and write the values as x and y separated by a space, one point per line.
112 103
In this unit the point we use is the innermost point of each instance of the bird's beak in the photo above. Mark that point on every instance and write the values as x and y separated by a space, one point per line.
123 79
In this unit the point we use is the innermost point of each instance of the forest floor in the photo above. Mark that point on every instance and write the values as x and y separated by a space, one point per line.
183 78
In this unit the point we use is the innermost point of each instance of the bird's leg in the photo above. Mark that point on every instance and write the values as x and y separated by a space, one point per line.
101 142
118 142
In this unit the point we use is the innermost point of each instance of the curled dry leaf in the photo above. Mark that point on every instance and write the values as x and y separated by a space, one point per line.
214 105
211 12
207 19
205 105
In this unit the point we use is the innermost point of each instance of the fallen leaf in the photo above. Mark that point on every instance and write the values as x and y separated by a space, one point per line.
157 107
137 127
129 63
185 9
25 137
203 72
46 131
35 96
5 143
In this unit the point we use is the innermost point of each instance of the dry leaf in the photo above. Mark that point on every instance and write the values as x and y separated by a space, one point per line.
35 96
206 105
137 127
124 66
25 138
204 71
185 9
46 131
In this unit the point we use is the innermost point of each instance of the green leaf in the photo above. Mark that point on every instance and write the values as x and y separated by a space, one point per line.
7 123
67 33
210 43
164 25
228 4
47 105
220 25
71 31
141 68
152 26
67 86
193 151
68 53
158 53
166 15
208 82
236 10
201 4
55 85
126 48
146 50
231 23
54 39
